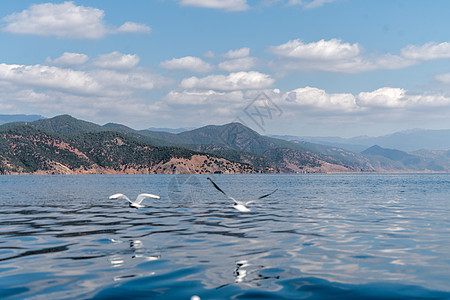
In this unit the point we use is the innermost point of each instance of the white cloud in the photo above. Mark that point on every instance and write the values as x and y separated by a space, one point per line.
383 97
428 51
49 77
388 97
443 78
239 53
131 27
337 56
120 82
209 54
309 4
94 93
65 20
228 5
332 56
322 50
237 60
308 105
188 63
314 97
69 59
116 60
209 97
238 64
233 81
90 82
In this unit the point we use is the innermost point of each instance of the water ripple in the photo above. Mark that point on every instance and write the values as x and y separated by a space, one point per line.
319 237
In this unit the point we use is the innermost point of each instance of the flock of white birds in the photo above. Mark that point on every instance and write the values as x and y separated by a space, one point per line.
239 205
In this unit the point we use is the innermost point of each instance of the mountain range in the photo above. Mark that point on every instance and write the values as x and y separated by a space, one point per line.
408 140
66 145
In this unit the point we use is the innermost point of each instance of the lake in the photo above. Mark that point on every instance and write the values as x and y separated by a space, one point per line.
320 236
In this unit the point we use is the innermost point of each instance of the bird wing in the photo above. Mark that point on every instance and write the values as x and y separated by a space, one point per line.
220 190
263 196
141 197
120 196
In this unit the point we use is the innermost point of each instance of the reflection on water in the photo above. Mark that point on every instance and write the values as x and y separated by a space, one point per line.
321 236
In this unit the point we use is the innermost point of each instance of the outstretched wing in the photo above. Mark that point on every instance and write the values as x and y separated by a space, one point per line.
263 196
120 196
220 190
141 197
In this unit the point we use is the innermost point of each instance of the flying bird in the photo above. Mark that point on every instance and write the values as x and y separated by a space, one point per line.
239 205
137 203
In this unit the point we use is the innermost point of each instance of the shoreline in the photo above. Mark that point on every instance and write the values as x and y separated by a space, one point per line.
316 173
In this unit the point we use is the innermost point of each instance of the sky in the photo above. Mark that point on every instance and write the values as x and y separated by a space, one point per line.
288 67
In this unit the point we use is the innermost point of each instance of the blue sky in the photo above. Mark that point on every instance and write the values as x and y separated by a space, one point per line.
298 67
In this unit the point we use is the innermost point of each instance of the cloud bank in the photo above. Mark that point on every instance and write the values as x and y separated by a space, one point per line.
233 81
66 20
187 63
227 5
336 56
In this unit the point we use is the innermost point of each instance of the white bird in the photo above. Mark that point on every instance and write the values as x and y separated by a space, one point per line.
137 203
239 205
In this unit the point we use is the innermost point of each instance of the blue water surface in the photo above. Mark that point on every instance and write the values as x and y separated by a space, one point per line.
320 236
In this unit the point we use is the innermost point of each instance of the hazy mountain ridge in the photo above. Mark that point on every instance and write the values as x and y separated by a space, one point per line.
392 159
408 140
229 148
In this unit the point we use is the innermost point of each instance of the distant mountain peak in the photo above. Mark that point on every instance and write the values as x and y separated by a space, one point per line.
65 124
392 154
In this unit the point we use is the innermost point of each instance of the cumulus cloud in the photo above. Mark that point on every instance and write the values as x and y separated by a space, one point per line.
65 20
209 54
314 97
333 56
187 63
69 59
309 4
239 53
124 82
307 105
209 97
238 64
386 98
383 97
237 60
117 60
93 82
322 50
233 81
443 78
90 92
131 27
428 51
49 77
227 5
337 56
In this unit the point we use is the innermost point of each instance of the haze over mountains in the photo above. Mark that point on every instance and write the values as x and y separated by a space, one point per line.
409 140
65 145
19 118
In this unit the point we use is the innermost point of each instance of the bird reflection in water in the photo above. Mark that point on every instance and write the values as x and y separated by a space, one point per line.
139 252
241 271
124 259
136 250
248 273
